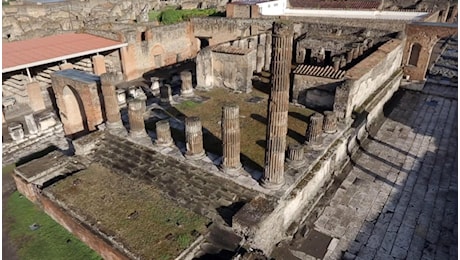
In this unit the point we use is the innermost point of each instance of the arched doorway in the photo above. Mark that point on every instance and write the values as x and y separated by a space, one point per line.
73 115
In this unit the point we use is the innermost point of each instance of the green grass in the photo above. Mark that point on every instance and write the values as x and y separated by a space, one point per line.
8 169
50 241
161 229
172 15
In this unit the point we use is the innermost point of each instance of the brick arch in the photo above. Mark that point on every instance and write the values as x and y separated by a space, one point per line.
425 34
78 99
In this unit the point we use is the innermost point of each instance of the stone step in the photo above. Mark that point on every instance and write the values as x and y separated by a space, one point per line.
17 82
13 90
43 79
44 74
82 68
49 71
54 68
19 77
19 86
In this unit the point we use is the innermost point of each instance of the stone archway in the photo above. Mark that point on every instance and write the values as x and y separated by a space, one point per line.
79 101
423 36
73 113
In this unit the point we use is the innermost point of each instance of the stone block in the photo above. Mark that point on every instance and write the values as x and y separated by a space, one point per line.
36 101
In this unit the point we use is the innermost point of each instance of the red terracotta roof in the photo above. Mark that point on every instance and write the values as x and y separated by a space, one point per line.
34 52
322 4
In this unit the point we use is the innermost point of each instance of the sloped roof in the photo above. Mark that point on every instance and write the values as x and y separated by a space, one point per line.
321 4
34 52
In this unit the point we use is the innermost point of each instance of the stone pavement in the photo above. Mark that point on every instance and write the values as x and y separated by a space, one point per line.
400 199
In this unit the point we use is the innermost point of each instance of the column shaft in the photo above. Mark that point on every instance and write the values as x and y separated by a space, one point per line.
163 133
112 111
136 109
231 138
194 138
314 132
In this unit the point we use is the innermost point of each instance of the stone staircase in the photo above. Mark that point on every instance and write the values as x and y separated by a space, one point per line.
15 87
45 76
84 65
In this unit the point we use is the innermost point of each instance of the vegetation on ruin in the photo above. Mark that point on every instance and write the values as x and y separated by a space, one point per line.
172 15
252 122
130 211
8 169
49 241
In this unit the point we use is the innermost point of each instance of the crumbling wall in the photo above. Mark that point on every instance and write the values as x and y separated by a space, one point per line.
233 71
154 47
366 77
314 92
220 29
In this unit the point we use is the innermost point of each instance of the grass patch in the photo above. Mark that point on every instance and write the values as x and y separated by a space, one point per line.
8 169
131 211
253 119
50 241
172 15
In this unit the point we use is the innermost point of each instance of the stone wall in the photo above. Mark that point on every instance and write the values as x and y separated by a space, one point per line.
233 71
154 47
219 29
366 77
314 92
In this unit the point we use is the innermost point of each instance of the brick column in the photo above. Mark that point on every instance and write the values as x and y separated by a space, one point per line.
136 109
187 85
163 133
112 111
194 138
231 139
330 122
336 63
295 156
98 64
314 132
278 106
34 92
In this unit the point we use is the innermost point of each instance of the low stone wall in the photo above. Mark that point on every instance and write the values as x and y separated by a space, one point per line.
366 77
314 92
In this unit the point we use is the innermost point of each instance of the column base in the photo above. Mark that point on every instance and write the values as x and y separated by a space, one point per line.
197 156
232 171
187 94
271 185
314 145
165 144
331 131
296 164
138 135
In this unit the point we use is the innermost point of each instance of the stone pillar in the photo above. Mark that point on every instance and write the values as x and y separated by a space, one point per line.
204 76
278 106
136 109
314 132
31 124
112 110
300 57
34 92
165 95
295 155
355 50
98 64
268 52
231 139
343 61
360 49
163 133
187 85
16 131
194 138
260 60
336 63
349 55
155 85
66 66
330 122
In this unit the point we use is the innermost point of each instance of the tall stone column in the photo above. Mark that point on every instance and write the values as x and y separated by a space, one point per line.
112 111
194 138
268 52
163 130
278 106
231 139
330 122
187 85
136 109
314 134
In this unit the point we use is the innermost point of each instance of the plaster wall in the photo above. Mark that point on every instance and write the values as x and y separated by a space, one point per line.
233 71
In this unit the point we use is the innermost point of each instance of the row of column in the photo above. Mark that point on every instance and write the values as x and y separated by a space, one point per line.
262 43
158 87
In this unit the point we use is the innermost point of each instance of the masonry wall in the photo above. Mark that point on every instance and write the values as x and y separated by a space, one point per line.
220 30
366 77
314 92
233 71
157 47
